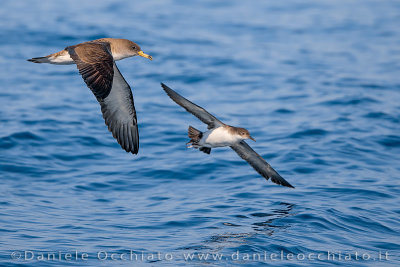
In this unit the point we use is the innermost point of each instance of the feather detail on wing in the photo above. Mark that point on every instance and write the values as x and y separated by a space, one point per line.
95 64
97 67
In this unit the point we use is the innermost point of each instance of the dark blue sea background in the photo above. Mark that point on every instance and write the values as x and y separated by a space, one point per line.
317 84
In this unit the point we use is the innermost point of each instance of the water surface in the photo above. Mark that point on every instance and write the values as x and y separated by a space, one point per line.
316 83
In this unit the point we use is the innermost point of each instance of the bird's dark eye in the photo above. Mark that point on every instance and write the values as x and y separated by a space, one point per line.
134 47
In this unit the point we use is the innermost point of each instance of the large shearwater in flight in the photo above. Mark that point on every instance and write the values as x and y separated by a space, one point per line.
96 63
220 134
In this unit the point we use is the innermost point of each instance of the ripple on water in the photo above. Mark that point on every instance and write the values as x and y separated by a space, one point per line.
317 85
389 141
308 133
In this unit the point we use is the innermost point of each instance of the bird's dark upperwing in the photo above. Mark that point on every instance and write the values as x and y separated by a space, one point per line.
196 110
95 64
98 69
258 163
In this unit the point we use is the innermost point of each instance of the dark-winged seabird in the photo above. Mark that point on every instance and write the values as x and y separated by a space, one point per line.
96 63
220 134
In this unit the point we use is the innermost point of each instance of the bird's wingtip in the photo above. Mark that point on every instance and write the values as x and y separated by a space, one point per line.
277 179
171 93
284 183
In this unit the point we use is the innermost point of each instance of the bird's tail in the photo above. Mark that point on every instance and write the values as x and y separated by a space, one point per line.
59 58
194 134
40 60
195 137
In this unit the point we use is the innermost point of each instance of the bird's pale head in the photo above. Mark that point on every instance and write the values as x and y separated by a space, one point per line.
137 51
123 48
243 133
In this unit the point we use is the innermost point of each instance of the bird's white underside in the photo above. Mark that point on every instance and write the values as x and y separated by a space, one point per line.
219 137
61 59
65 59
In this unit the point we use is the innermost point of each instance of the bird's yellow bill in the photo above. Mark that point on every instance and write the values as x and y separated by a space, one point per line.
140 53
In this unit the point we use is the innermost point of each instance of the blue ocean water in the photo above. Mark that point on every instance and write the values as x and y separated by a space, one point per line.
316 82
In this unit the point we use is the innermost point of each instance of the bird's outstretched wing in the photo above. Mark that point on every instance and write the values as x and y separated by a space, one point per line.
196 110
258 163
98 70
95 64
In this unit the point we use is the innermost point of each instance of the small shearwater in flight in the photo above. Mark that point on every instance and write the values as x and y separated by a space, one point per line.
96 63
220 134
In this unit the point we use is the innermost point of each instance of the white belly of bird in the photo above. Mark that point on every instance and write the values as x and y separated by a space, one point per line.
218 137
65 58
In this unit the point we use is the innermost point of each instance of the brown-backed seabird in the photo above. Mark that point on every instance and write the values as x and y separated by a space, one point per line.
96 63
219 135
